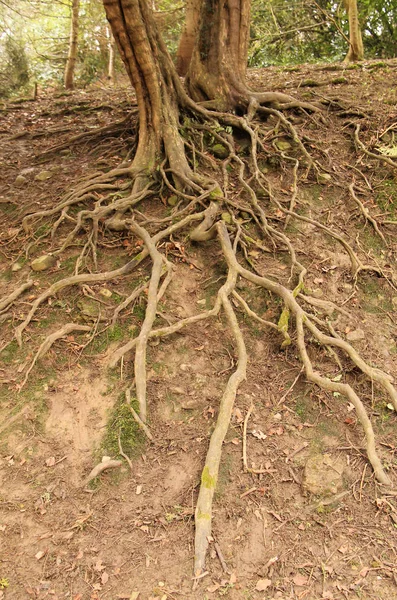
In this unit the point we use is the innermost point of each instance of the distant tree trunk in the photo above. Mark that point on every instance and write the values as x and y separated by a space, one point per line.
356 48
72 55
111 56
188 37
219 61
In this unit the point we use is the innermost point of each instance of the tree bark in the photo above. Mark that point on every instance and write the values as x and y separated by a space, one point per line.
157 86
72 54
111 56
219 61
188 37
356 48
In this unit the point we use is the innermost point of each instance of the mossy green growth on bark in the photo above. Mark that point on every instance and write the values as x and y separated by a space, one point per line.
207 480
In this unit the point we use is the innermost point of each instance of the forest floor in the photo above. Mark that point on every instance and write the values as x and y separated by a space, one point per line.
314 524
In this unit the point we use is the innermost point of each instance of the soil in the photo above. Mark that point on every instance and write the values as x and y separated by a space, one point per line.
314 524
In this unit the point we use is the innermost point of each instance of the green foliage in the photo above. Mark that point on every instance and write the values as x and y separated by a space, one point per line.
122 423
285 32
14 68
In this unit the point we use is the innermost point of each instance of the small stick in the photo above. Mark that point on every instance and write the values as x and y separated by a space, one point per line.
127 458
362 482
221 558
290 388
137 417
299 449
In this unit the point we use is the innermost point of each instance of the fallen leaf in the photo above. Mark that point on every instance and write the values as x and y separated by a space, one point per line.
300 580
213 588
104 578
99 566
262 585
258 434
50 462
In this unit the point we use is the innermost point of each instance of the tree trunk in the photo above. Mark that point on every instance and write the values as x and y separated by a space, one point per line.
356 48
219 61
157 87
111 55
188 37
72 55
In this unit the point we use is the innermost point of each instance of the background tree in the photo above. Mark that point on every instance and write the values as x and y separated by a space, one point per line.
188 36
72 53
356 48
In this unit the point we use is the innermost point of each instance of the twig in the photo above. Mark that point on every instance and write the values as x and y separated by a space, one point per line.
137 417
127 458
291 387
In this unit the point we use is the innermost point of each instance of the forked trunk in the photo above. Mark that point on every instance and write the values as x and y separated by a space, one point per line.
188 37
219 61
72 55
155 80
356 48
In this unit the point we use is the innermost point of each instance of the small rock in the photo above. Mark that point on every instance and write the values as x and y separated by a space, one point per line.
43 262
89 309
323 475
324 178
283 145
220 151
20 181
354 336
105 293
16 267
27 171
172 200
178 390
43 175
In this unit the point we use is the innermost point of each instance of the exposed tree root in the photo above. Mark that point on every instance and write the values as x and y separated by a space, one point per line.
100 468
256 218
381 157
8 301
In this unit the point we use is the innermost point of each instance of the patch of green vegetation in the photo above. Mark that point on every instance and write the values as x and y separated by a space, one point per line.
8 208
386 197
302 408
139 311
7 275
374 298
9 353
121 422
102 341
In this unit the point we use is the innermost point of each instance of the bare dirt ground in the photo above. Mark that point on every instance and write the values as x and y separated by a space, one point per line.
314 524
